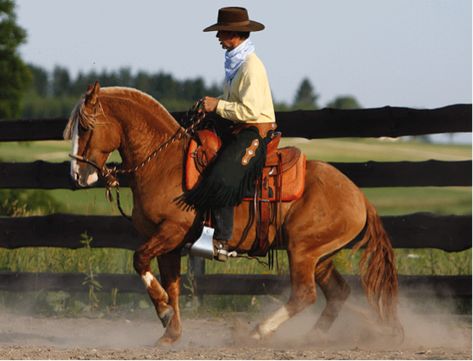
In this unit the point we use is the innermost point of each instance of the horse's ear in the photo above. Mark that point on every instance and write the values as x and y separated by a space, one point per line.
92 94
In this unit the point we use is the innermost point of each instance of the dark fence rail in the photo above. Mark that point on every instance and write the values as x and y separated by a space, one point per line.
325 123
224 284
377 122
45 175
419 230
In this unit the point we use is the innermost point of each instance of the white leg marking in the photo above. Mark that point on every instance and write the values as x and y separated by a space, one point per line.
147 279
272 323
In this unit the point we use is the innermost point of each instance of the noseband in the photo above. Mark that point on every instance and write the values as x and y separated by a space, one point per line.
194 116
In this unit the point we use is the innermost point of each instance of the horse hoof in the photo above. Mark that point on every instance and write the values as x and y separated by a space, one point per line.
317 336
165 341
256 334
166 316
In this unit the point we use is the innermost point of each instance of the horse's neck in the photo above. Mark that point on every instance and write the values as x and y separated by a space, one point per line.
142 132
139 141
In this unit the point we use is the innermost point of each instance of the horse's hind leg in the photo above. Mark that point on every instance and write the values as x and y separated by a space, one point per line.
303 293
170 271
335 290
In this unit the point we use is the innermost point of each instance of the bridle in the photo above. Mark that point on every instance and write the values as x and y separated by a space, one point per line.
195 115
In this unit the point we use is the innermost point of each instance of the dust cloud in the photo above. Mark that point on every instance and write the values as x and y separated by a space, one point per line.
426 328
427 324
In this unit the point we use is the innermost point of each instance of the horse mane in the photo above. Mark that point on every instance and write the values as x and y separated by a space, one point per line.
88 121
77 115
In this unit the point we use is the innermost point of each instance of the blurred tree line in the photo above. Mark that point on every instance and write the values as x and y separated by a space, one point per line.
53 94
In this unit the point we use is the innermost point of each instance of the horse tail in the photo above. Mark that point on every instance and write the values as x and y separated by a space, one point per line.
378 269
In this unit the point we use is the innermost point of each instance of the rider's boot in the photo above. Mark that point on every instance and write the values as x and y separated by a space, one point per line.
222 219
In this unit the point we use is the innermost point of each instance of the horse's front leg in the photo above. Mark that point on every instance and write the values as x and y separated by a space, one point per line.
164 241
170 271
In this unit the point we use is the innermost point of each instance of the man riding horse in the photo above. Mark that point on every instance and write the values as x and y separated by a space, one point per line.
327 213
247 102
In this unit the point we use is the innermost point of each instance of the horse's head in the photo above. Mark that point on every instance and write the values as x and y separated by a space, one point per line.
94 136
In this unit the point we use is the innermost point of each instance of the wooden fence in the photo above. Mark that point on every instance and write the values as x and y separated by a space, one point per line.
450 233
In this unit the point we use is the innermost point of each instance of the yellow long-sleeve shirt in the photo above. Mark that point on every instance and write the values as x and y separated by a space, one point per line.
248 98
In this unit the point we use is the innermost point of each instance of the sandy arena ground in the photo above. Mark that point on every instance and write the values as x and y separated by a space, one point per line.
353 336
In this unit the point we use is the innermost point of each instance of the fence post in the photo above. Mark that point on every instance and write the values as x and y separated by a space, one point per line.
195 269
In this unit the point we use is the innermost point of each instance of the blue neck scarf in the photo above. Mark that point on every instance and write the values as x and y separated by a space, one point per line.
234 58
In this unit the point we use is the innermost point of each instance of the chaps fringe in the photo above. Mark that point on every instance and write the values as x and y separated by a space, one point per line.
215 191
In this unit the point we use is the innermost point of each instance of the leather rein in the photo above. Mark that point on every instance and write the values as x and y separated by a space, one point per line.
195 116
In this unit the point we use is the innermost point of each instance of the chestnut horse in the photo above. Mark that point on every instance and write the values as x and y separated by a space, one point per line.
331 212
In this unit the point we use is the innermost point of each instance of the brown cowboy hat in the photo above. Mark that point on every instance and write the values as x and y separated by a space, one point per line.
234 19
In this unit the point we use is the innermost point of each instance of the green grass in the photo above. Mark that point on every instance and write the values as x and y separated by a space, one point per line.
388 201
362 150
442 200
49 151
329 150
91 201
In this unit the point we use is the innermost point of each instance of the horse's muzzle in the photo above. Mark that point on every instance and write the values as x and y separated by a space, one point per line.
84 176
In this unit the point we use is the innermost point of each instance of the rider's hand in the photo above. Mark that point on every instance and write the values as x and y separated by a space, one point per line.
209 104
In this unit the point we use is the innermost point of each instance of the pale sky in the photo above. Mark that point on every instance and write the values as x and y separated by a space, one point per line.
413 53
